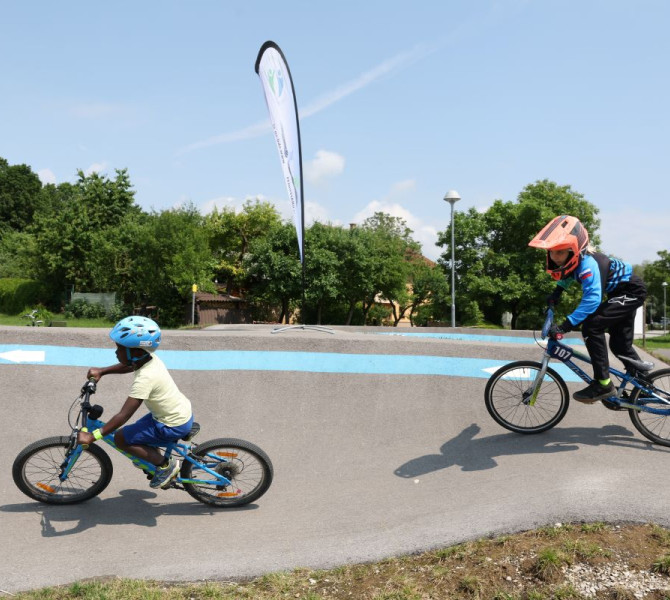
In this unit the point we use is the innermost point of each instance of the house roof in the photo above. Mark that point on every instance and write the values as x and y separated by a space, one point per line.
206 297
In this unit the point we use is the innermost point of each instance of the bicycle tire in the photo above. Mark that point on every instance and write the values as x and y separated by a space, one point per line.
654 427
504 398
36 472
248 468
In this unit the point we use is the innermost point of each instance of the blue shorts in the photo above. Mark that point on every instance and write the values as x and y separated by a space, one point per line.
149 432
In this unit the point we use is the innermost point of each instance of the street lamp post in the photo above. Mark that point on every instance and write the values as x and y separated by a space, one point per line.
665 321
452 197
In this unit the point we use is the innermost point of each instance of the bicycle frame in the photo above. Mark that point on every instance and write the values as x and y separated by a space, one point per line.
183 450
564 353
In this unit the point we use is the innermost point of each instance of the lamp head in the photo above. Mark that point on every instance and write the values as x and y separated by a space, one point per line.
452 197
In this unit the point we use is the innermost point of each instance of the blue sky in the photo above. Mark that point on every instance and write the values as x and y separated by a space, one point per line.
399 102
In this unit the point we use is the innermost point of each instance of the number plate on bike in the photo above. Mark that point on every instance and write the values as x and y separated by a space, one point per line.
561 352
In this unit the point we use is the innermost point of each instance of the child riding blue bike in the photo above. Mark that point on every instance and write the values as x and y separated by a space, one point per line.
170 415
611 294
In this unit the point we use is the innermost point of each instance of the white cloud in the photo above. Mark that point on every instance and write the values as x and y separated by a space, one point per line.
96 168
220 203
316 212
46 176
325 165
424 233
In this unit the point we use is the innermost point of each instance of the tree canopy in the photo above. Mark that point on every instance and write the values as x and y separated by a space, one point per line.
91 235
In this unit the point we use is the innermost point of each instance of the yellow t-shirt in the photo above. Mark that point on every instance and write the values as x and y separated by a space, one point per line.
154 385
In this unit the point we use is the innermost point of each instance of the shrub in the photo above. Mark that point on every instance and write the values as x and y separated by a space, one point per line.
81 309
15 294
116 313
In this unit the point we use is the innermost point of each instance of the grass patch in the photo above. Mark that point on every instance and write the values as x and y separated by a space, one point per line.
527 566
19 321
662 565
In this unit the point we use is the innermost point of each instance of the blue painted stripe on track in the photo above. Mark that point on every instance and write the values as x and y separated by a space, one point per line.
473 337
310 362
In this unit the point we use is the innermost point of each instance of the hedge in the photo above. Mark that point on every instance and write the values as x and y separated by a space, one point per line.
17 294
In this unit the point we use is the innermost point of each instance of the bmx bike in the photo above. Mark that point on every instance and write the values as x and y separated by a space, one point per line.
223 472
530 397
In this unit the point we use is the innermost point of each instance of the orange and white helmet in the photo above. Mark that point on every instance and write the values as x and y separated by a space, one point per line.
562 233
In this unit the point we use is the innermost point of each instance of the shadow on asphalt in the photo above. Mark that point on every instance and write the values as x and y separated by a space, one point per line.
131 507
479 454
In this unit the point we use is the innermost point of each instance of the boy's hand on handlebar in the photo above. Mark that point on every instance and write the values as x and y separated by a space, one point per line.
558 331
85 438
94 373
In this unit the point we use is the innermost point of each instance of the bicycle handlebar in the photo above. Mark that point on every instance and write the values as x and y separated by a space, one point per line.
89 387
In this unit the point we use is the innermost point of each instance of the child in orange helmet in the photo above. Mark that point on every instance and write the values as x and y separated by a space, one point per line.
611 294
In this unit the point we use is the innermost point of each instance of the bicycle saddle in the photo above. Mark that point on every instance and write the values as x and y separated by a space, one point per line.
191 434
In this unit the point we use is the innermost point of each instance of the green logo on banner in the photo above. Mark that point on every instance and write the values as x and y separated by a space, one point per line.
276 81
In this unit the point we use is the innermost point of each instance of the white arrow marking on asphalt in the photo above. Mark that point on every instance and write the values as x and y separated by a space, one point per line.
516 373
19 356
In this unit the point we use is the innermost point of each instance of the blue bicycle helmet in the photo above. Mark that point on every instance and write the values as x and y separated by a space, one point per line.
136 332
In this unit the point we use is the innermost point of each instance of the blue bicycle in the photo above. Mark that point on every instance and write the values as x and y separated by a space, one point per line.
530 397
57 470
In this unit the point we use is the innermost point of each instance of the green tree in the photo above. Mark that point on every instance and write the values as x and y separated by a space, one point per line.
232 232
430 293
274 273
17 254
357 271
392 248
322 266
172 255
20 196
655 273
67 236
495 267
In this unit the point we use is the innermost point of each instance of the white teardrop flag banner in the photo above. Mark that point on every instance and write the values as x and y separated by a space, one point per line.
272 68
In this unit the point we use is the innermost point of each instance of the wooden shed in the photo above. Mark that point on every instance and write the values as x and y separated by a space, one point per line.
218 309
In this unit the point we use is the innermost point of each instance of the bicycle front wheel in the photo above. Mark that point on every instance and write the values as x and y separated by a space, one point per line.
36 472
655 427
245 465
507 397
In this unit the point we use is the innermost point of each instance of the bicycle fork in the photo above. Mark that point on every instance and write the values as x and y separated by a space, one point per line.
531 394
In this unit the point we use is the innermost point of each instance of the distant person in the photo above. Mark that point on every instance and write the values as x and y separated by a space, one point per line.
170 416
611 294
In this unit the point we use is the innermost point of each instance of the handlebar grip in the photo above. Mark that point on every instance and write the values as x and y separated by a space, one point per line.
84 446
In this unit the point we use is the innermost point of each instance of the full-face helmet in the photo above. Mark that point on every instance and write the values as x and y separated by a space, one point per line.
562 233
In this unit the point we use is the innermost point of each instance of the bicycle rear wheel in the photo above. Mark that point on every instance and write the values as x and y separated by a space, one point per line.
246 466
652 426
506 397
37 468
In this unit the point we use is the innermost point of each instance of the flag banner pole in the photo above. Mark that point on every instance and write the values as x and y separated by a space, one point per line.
275 76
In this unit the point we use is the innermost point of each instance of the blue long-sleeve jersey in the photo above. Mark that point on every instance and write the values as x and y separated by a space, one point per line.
598 275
